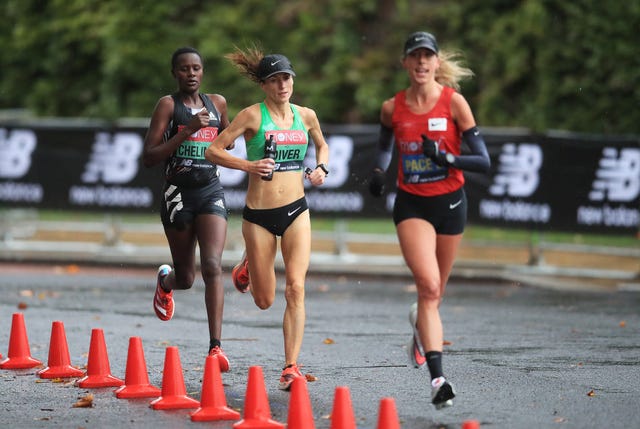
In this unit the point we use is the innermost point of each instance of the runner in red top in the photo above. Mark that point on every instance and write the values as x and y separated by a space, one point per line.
428 121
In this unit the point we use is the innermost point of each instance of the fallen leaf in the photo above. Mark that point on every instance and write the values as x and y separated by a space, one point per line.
559 420
22 306
446 343
623 324
84 402
72 269
328 341
310 377
591 393
26 293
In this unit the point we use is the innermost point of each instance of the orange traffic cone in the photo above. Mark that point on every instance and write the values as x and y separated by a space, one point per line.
342 416
388 416
174 392
59 365
470 424
300 413
213 403
98 370
136 377
19 355
257 413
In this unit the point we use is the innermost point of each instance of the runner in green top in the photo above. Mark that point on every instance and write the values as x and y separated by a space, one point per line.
291 143
275 207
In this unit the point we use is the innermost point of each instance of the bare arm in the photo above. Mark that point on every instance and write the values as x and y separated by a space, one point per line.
246 124
312 123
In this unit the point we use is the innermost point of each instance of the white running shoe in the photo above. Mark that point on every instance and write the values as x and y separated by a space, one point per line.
442 393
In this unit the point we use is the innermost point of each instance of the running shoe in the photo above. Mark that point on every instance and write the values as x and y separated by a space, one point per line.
442 393
415 351
289 373
223 361
163 301
240 275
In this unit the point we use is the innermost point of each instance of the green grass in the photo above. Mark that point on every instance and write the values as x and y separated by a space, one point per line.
370 226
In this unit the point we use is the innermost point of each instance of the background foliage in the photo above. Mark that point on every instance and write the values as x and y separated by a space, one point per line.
539 64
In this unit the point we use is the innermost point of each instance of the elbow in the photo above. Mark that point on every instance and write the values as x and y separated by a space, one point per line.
487 164
210 155
147 161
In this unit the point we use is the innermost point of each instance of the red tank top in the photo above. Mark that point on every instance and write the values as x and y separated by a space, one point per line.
417 174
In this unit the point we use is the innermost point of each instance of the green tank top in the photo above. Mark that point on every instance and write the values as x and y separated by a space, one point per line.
291 144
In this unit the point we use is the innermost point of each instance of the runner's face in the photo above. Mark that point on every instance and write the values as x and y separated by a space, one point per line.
188 72
421 65
278 87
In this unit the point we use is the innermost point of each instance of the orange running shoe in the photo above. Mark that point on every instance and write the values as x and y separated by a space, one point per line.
289 373
163 301
240 275
415 351
223 361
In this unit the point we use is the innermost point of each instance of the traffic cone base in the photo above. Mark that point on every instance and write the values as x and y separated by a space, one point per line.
213 404
342 416
257 413
19 356
59 364
137 391
174 403
98 370
214 413
136 379
174 391
300 414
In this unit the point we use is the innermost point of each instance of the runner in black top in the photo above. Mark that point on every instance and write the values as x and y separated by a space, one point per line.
193 208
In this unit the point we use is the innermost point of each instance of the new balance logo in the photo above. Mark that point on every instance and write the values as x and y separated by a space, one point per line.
618 176
114 158
518 170
16 147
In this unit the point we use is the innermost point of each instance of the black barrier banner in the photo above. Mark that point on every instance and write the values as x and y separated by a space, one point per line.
564 182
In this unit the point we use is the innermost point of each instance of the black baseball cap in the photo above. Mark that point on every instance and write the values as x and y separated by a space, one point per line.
272 64
420 39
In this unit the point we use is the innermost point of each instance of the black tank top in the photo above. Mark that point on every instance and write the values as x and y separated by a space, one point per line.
187 166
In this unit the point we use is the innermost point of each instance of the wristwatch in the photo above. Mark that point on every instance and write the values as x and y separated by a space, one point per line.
323 168
450 158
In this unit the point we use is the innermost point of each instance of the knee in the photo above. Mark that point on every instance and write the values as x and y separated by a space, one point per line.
263 302
184 279
211 270
429 289
294 294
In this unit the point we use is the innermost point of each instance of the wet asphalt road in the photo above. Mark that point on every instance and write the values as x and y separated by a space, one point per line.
520 357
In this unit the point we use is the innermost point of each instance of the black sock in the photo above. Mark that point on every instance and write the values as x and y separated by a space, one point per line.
214 342
434 363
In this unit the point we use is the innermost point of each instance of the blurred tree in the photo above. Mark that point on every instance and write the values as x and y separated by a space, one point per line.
541 64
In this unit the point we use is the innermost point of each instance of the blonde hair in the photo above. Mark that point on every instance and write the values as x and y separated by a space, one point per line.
452 71
247 61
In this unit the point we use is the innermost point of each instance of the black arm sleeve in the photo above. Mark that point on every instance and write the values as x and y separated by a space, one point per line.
384 150
478 160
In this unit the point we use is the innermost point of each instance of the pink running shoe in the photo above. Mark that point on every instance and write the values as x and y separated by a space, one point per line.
240 275
163 301
223 361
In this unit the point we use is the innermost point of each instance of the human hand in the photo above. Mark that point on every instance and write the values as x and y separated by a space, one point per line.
431 150
199 120
429 147
376 182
